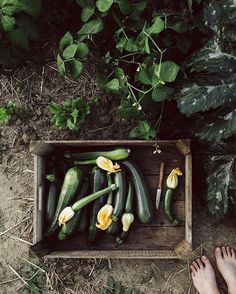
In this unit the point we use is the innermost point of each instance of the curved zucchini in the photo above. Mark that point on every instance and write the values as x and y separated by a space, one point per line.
98 182
116 154
119 195
70 227
71 184
168 207
144 205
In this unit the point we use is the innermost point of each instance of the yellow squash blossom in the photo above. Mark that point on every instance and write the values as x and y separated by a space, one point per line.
66 214
107 165
104 217
127 219
172 180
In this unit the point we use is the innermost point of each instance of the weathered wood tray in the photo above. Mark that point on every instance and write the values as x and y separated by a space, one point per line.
158 239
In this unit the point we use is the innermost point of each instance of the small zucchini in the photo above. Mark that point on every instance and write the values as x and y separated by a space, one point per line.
144 205
71 184
168 207
128 214
98 182
51 204
115 154
114 228
120 194
70 227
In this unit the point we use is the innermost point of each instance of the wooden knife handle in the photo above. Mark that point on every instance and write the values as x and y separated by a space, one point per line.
161 176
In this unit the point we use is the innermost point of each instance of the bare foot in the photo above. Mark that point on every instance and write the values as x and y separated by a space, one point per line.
203 276
226 263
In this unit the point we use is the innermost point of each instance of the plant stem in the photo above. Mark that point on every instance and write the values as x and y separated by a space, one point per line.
154 43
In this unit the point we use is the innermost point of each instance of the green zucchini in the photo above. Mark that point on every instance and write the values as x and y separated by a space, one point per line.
114 228
83 222
86 200
168 207
115 154
120 194
128 209
51 204
71 184
70 227
144 205
98 182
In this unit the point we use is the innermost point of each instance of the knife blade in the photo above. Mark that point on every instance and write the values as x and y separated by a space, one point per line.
159 187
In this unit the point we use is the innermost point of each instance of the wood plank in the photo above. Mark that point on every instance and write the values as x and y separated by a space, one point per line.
140 238
188 200
117 254
151 181
160 219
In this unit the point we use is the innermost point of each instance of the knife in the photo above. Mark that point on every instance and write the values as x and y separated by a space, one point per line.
159 188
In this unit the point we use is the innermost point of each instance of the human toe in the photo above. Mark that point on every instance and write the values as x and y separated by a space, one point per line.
199 262
218 253
228 250
224 252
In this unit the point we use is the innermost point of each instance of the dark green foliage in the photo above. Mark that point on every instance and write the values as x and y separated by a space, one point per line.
71 114
143 130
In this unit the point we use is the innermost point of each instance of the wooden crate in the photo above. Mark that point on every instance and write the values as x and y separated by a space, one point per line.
158 239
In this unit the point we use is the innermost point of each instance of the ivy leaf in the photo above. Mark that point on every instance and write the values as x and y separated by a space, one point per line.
70 51
82 50
143 130
8 23
65 41
61 65
104 5
157 27
76 68
92 27
113 85
87 13
124 6
218 184
168 71
161 93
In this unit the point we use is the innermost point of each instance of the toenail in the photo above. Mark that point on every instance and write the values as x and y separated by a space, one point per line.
204 257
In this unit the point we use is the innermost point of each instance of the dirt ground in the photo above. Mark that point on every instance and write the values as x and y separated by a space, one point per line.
33 88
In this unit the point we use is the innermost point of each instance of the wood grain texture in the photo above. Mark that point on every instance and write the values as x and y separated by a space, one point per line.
188 199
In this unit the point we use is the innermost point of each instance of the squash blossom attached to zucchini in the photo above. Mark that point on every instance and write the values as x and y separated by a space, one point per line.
107 165
127 219
172 180
104 217
172 183
66 214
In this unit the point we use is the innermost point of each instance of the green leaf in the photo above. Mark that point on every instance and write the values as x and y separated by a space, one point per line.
157 26
76 68
161 93
147 48
217 127
218 184
139 6
120 44
82 50
87 13
113 85
124 6
4 116
19 38
178 26
31 7
69 52
168 71
65 41
196 97
130 45
126 110
92 27
8 23
143 130
104 5
61 65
